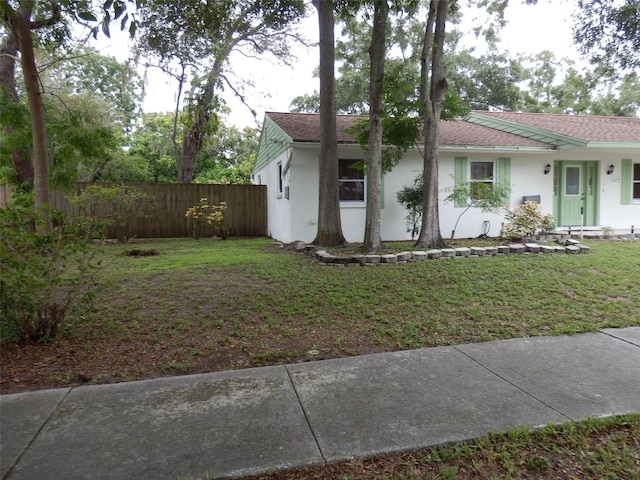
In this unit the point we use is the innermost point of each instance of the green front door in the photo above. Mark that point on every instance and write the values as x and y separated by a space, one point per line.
576 193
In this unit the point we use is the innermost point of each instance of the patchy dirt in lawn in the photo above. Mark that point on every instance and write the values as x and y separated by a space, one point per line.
203 328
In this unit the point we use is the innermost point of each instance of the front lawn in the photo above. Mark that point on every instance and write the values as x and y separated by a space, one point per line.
208 305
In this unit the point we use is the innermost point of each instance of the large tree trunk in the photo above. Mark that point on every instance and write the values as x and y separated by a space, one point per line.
21 26
372 234
8 55
194 135
329 224
433 87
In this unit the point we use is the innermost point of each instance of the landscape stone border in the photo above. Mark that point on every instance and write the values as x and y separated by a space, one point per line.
564 244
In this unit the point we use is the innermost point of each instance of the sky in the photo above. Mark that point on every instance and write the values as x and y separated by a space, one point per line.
530 29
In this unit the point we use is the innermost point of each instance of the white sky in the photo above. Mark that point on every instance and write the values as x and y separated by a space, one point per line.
530 29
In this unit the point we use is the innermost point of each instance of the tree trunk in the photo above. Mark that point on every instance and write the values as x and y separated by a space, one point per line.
329 223
372 234
194 135
433 87
20 24
8 54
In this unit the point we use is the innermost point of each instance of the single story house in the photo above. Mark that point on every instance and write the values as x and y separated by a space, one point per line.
584 170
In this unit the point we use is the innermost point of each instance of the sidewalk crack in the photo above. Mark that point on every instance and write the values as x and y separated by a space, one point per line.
306 415
514 385
35 435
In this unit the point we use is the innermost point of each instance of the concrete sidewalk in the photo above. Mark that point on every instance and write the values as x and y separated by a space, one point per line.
236 423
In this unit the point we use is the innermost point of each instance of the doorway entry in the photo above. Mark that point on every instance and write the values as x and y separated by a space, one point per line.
575 193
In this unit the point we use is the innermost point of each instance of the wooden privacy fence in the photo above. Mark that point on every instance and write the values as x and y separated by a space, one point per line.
245 215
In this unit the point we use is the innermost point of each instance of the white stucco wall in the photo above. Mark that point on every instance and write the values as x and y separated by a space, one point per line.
612 213
278 214
296 218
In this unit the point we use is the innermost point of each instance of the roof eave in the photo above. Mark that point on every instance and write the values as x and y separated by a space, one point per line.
546 136
601 144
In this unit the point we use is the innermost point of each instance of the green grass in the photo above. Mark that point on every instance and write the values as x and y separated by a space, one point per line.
257 290
208 305
593 449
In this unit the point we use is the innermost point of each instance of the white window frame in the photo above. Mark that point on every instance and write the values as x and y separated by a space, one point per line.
280 179
342 181
492 180
635 181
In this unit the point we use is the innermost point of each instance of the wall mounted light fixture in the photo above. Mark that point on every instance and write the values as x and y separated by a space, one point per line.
610 169
547 169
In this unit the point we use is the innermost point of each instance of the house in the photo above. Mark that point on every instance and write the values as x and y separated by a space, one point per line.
584 170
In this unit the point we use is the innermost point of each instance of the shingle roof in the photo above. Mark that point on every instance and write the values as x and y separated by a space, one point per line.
305 127
583 127
463 133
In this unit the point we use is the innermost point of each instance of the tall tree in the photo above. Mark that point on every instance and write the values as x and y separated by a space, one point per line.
329 223
21 18
18 20
433 86
608 31
10 100
202 35
372 233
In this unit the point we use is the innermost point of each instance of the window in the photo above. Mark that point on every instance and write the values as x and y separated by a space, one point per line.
482 177
351 180
279 177
636 181
572 181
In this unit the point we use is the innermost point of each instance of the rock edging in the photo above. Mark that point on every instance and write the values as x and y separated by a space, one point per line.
568 246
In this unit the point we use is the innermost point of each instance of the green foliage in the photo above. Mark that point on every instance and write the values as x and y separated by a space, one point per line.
488 197
118 207
151 144
609 32
398 135
43 274
227 156
204 214
411 198
526 221
91 102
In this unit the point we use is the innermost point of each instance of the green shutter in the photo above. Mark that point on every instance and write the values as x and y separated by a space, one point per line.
504 174
460 176
504 171
627 179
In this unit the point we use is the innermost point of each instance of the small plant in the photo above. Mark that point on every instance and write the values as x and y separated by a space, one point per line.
410 197
526 221
119 207
203 215
607 231
488 197
42 273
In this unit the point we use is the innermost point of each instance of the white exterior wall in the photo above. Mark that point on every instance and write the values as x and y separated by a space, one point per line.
296 218
278 214
612 213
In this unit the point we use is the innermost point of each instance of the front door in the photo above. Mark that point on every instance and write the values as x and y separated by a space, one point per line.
576 193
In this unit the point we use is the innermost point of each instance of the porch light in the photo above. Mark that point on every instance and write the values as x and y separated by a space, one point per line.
547 169
611 169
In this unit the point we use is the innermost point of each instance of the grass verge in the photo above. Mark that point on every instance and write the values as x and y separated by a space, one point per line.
593 449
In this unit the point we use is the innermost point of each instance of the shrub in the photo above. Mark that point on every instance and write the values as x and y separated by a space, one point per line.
526 221
202 215
119 207
410 197
42 273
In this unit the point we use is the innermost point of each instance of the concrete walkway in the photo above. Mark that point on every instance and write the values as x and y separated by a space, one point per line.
236 423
